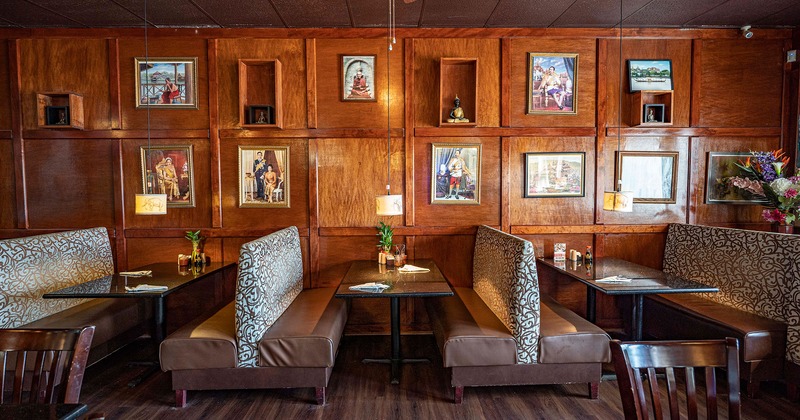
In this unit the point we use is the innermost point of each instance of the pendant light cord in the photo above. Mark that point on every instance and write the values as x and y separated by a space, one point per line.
390 39
619 108
147 79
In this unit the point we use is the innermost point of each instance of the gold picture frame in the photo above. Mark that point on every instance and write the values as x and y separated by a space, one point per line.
169 170
456 173
166 82
264 176
651 176
561 97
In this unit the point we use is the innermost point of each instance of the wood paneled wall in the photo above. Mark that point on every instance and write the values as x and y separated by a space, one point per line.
731 94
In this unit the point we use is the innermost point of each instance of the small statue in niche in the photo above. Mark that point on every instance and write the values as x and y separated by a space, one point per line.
651 115
262 119
62 117
457 113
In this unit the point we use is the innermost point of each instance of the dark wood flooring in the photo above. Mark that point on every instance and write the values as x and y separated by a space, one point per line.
359 391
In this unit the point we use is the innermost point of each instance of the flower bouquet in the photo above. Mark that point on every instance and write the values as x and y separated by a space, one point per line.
764 175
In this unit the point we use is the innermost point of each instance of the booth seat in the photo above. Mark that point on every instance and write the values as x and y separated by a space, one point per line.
274 335
504 331
758 300
35 265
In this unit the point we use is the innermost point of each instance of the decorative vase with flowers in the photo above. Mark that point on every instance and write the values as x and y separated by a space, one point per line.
197 247
765 175
385 233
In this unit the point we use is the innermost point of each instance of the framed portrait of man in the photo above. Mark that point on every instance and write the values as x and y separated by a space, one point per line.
169 170
552 83
166 82
358 77
264 176
456 174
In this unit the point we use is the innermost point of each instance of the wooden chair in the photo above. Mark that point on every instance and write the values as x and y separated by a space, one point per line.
634 360
42 360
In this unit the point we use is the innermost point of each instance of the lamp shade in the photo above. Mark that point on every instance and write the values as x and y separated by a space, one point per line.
618 201
151 204
389 205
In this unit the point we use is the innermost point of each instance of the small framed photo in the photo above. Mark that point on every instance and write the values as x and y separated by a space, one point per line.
358 77
264 176
720 167
166 82
653 113
169 170
651 176
261 114
649 75
456 174
56 115
555 174
552 86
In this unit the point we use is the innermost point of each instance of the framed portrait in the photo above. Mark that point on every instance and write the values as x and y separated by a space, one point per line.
649 175
555 174
456 174
264 176
720 167
166 82
649 75
169 170
552 86
358 77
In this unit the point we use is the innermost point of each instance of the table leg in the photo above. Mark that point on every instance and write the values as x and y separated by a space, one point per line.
636 317
591 304
159 333
395 360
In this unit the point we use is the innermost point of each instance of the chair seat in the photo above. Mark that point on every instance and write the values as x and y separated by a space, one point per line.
205 343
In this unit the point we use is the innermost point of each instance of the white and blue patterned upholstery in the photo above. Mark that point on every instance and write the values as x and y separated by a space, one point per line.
33 266
270 278
755 272
505 277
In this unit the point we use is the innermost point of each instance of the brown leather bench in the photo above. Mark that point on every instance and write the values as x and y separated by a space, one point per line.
503 331
35 265
275 335
754 273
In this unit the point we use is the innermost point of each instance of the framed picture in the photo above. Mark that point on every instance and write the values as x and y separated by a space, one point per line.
650 75
649 175
456 174
169 170
264 176
555 174
166 82
552 86
653 113
720 167
358 77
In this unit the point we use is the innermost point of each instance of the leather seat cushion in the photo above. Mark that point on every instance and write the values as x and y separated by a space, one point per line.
685 316
307 334
467 331
205 343
566 337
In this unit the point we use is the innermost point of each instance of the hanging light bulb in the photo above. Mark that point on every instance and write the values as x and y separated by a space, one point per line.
389 204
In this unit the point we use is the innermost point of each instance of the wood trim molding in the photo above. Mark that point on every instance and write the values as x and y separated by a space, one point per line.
57 134
410 114
505 132
119 204
593 229
696 132
208 233
313 210
113 84
505 82
18 142
310 133
311 82
214 146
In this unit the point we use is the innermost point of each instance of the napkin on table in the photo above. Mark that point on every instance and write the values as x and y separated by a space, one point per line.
146 288
614 279
136 273
370 287
408 268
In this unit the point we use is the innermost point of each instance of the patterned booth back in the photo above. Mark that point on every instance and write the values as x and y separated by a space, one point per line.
270 277
504 276
756 272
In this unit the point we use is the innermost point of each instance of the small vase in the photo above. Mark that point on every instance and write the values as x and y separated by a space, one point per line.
789 229
197 253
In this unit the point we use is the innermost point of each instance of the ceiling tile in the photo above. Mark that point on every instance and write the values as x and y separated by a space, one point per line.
789 17
22 13
597 13
260 14
462 14
92 13
170 13
371 13
522 13
670 12
313 13
740 12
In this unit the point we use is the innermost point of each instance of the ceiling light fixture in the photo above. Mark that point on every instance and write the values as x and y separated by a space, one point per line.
389 204
746 32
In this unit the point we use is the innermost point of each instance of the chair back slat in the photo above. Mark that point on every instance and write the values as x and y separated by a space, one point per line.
48 366
633 361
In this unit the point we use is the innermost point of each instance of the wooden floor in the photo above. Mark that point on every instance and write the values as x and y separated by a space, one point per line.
359 391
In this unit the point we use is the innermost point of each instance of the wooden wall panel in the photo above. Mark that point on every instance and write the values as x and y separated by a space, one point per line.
585 85
642 248
485 213
8 204
561 211
183 217
261 218
5 92
704 213
143 251
66 65
332 111
291 54
649 213
136 118
741 83
677 50
70 183
337 252
453 255
428 52
351 172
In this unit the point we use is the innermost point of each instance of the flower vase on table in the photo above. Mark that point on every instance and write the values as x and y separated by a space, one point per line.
765 175
782 228
198 259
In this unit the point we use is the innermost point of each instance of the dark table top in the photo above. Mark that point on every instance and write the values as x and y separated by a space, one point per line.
644 280
42 411
427 284
164 274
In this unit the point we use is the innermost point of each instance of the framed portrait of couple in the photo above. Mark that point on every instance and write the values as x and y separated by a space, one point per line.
264 176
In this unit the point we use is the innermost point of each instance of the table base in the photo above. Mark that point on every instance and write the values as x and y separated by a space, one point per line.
395 365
